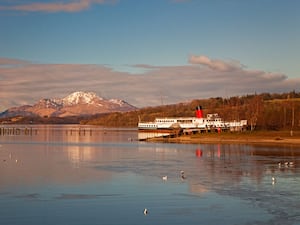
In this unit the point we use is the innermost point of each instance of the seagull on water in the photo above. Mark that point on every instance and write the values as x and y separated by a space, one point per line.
182 175
145 211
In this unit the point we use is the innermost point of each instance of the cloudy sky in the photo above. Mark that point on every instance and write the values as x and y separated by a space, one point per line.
147 52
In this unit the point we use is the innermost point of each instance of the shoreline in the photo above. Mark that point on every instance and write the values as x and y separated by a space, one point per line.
257 138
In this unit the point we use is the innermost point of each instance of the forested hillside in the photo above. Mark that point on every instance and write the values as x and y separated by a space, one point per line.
262 111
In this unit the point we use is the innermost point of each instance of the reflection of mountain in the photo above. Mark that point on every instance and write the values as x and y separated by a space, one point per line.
32 166
77 154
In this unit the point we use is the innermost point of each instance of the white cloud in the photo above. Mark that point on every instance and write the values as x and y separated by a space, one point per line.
58 6
26 83
214 64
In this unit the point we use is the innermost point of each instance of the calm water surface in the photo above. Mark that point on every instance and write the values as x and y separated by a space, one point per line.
87 175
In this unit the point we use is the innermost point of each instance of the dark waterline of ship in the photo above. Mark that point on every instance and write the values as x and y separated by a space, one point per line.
72 174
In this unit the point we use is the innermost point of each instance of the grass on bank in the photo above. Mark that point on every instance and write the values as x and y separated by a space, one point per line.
247 137
276 135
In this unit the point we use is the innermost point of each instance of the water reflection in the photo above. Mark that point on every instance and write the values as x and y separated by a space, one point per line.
106 169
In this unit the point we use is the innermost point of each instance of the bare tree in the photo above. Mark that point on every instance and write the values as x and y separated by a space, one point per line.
254 110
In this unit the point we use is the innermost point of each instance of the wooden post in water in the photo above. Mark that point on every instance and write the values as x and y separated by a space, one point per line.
11 131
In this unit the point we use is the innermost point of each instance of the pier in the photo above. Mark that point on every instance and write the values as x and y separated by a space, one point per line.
12 131
146 135
32 131
189 131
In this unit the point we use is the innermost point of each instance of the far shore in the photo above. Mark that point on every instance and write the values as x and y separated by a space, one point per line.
255 137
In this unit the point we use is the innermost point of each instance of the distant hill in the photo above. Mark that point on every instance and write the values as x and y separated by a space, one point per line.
262 111
77 104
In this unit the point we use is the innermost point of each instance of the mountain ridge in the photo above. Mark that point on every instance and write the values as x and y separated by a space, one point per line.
78 103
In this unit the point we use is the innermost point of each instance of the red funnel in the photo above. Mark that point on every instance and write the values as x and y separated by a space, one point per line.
199 113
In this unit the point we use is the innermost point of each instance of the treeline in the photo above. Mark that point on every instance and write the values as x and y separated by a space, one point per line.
262 111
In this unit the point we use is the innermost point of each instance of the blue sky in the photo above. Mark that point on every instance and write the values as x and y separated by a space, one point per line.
123 44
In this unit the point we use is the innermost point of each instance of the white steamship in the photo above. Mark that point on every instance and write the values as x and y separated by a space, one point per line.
212 121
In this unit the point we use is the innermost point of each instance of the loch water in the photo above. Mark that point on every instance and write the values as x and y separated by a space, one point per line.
84 175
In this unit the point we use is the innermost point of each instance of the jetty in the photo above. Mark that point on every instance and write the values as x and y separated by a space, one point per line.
36 130
11 131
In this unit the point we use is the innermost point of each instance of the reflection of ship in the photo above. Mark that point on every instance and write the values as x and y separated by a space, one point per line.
212 121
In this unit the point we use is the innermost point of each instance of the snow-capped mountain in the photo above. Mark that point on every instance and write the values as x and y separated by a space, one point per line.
80 97
76 104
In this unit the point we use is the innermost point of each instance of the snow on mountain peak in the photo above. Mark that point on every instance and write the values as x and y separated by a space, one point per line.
80 97
117 101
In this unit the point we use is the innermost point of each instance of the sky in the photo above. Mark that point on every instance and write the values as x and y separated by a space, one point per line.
147 52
